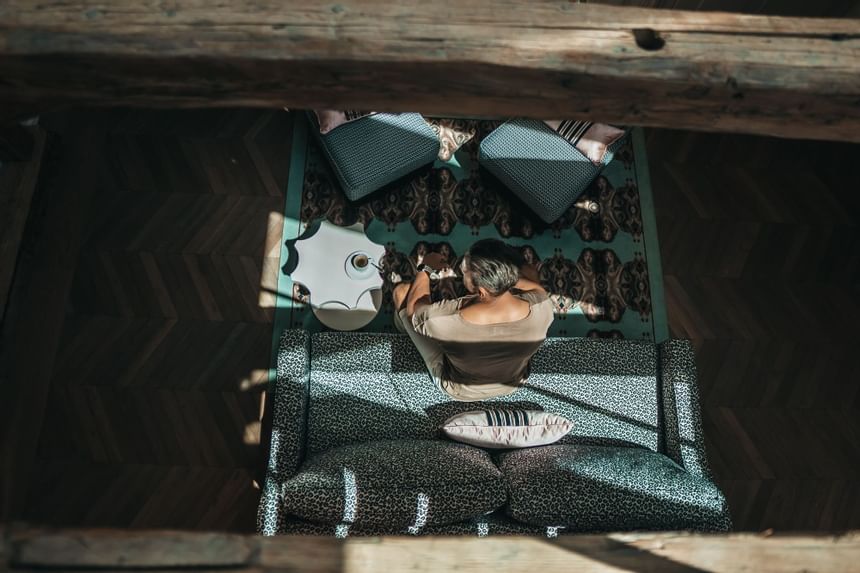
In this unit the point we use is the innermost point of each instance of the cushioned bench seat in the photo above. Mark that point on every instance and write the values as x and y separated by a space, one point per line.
374 386
371 152
356 413
540 167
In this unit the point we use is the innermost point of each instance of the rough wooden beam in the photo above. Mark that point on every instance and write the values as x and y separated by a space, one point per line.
643 552
790 77
115 548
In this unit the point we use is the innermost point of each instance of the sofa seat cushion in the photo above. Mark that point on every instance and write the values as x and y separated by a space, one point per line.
397 484
370 153
495 523
600 488
368 386
544 170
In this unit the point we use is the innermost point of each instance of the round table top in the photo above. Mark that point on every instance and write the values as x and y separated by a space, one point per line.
342 296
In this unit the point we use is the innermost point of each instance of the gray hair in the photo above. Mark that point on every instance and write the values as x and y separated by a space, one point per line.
495 266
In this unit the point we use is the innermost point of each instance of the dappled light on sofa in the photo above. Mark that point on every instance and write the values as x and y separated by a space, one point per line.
422 508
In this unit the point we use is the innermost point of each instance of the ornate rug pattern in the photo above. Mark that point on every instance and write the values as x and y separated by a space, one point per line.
593 259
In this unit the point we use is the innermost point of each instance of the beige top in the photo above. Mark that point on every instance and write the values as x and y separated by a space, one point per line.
484 360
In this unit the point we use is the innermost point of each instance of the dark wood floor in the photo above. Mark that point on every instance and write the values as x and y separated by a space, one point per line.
136 340
761 258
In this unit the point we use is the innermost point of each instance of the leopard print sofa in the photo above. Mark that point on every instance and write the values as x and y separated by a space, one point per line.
634 405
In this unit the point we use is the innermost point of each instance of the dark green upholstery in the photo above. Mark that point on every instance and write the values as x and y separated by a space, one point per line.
496 523
288 425
598 488
375 387
685 439
396 484
539 166
371 152
634 406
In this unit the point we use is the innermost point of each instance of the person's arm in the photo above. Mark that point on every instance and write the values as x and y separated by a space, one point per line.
419 292
529 280
418 295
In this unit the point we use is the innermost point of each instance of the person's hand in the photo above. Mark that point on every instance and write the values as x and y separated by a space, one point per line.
435 261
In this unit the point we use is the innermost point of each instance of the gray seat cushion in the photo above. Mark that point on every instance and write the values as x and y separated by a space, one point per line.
375 386
539 166
495 523
407 484
373 151
597 488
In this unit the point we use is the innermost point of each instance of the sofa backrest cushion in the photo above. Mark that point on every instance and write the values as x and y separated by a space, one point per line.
367 387
599 488
397 484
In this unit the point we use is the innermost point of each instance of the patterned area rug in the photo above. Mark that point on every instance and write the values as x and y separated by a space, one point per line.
594 260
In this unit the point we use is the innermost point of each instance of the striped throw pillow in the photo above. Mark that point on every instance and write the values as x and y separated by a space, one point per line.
329 119
573 130
506 428
591 139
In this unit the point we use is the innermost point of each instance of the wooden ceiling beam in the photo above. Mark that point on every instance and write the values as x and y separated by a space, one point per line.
118 550
787 77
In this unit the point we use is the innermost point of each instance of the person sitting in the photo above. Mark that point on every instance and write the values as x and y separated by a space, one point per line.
480 345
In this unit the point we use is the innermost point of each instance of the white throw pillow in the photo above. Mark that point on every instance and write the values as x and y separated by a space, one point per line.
506 428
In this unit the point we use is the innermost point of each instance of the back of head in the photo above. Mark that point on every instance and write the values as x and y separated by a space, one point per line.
494 266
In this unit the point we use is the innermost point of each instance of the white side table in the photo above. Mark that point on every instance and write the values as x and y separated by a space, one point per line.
339 266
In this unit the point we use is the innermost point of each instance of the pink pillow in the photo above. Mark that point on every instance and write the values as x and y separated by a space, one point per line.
591 139
330 119
506 428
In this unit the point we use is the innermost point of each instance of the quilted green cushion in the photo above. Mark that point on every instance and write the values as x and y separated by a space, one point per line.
600 488
373 151
397 484
540 167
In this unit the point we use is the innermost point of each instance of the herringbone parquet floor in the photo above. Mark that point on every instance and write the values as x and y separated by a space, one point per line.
153 399
137 338
761 258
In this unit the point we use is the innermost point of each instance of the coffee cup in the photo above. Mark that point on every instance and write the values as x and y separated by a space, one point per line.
360 261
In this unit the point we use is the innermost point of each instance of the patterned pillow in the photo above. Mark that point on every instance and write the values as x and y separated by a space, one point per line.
506 428
452 134
328 119
602 488
396 484
591 139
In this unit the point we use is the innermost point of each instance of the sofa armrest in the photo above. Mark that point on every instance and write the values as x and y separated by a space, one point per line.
289 422
682 416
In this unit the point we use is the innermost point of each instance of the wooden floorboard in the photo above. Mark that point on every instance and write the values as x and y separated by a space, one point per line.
148 411
17 184
761 258
29 341
143 496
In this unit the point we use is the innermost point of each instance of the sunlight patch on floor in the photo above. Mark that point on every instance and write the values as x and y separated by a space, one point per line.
267 297
252 434
256 378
